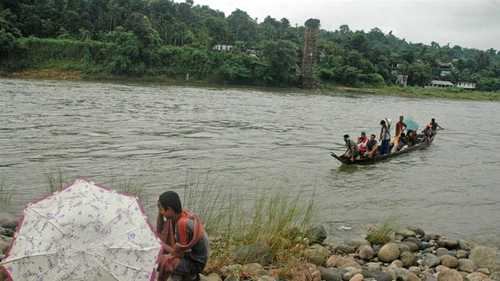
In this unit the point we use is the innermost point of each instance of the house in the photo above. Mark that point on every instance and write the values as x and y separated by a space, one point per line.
223 48
466 85
441 84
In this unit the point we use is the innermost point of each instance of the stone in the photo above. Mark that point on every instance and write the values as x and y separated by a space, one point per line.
357 277
210 277
441 252
396 263
449 275
403 247
257 252
466 265
317 234
484 270
418 231
405 232
412 277
430 260
415 269
343 262
462 254
380 276
253 269
331 261
388 252
8 221
317 254
448 243
441 268
330 274
465 245
344 249
232 278
477 276
373 266
414 247
306 272
408 259
350 272
270 278
231 270
495 275
366 252
424 245
483 256
449 261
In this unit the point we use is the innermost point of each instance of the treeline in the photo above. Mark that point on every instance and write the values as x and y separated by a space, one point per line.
149 37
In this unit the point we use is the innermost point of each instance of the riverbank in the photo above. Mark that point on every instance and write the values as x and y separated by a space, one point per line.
412 92
387 253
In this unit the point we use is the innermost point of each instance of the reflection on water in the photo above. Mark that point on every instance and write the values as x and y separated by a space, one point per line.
253 142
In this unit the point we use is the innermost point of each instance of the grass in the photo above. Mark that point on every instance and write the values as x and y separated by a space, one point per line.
5 194
416 92
382 233
276 220
55 182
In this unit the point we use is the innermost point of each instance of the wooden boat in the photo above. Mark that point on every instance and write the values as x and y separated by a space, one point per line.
365 161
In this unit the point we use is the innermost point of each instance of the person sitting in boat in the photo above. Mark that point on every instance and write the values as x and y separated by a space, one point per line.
352 149
362 141
400 127
371 147
412 137
427 132
385 138
403 142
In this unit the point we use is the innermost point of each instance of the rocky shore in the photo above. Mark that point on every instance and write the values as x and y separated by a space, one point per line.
410 254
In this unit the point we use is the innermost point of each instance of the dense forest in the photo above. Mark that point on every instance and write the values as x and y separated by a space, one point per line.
163 37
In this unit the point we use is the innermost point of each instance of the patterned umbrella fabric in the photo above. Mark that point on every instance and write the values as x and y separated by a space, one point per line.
84 232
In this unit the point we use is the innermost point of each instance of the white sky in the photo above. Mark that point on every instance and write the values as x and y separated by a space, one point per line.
468 23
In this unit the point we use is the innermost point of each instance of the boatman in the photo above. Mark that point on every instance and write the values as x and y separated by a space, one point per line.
400 127
385 138
184 241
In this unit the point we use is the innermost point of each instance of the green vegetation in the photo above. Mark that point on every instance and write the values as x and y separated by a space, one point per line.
383 233
5 194
163 38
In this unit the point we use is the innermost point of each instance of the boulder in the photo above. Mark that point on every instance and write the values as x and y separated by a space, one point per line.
430 260
317 234
418 231
449 275
441 252
366 252
465 245
413 277
344 249
484 256
448 243
388 252
408 259
253 253
317 254
373 267
210 277
495 275
466 265
357 277
478 276
412 246
253 269
330 274
379 275
484 270
349 272
343 262
462 254
332 261
441 268
396 263
405 232
449 261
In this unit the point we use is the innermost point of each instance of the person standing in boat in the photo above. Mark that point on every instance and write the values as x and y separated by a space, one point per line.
434 125
400 127
385 138
352 148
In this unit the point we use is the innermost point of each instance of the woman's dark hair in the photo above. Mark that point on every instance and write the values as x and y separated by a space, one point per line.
170 199
382 122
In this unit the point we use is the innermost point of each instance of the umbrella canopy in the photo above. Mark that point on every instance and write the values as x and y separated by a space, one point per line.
84 232
411 124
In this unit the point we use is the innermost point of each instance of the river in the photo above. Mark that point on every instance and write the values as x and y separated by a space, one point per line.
249 141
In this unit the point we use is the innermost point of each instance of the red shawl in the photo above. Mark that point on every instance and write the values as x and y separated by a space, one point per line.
173 250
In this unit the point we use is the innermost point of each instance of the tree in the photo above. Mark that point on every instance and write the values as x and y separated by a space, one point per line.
242 27
280 58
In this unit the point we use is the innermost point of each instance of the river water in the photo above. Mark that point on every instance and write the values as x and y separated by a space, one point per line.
253 142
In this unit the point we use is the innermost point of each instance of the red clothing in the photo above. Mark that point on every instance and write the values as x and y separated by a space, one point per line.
399 128
362 141
173 250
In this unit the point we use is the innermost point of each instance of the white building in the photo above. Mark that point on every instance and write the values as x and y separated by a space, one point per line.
441 84
466 85
224 48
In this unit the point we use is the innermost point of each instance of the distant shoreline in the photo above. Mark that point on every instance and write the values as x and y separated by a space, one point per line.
326 89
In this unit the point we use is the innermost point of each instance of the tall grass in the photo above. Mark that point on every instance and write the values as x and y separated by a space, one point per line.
55 182
382 233
275 219
5 194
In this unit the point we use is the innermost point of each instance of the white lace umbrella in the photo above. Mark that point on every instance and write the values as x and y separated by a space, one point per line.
84 232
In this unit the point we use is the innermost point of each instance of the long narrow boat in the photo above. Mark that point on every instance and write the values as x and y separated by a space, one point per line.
365 161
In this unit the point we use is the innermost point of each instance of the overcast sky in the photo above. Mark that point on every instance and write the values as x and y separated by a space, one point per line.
468 23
